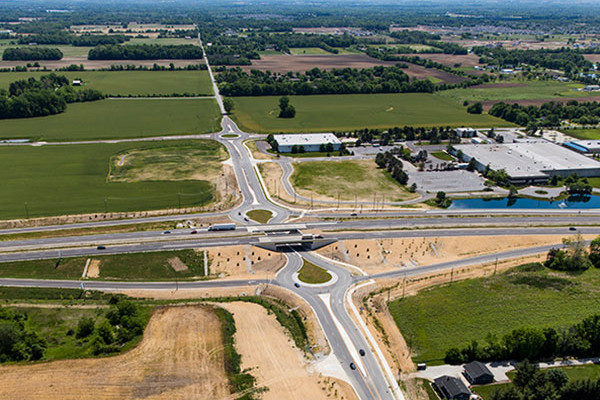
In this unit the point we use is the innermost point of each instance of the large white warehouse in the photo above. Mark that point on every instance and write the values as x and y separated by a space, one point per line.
310 141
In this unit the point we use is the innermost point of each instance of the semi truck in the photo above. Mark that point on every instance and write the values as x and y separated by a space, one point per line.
221 227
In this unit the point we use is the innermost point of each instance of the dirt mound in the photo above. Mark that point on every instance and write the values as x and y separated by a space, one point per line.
178 358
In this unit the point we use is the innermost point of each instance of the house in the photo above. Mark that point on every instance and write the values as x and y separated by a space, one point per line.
451 388
466 132
477 373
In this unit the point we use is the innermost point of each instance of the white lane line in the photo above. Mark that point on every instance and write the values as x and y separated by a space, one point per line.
326 299
397 393
173 246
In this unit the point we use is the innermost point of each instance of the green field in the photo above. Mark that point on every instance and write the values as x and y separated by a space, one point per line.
452 315
308 51
72 179
117 119
124 83
313 274
322 113
260 216
583 134
530 90
348 178
152 266
67 50
442 155
163 41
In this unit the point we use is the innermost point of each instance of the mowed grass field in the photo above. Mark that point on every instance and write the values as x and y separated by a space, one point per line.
452 315
348 178
124 83
514 90
73 179
321 113
583 134
119 119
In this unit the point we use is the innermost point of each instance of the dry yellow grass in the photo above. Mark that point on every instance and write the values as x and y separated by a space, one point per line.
178 358
242 262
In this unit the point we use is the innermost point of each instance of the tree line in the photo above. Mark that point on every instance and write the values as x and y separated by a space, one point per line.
434 135
428 39
548 114
393 165
379 79
64 37
37 98
31 53
145 52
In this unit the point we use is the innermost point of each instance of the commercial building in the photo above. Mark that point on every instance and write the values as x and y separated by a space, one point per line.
451 388
309 141
466 132
584 146
529 163
477 373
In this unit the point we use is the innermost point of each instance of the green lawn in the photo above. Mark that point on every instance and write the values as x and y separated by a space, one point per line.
583 134
72 179
151 266
442 155
322 113
163 41
67 50
260 216
313 274
116 119
123 83
531 90
351 179
308 51
453 315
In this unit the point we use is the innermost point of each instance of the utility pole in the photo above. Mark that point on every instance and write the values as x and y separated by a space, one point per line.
338 200
374 199
383 202
452 275
105 205
311 200
26 210
496 266
404 286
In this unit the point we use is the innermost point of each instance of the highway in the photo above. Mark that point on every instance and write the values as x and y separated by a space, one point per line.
372 378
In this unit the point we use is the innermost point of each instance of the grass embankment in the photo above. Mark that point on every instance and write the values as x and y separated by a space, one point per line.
260 216
134 83
74 179
351 179
322 113
442 155
118 119
313 274
452 315
583 134
514 90
576 373
152 266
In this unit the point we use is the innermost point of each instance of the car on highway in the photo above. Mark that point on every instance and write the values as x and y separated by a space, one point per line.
361 352
297 284
193 232
166 232
101 248
353 214
246 219
352 366
572 228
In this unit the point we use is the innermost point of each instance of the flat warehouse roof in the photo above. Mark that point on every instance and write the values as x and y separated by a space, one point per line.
306 139
585 145
528 159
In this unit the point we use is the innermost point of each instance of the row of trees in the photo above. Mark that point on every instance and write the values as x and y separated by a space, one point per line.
532 383
236 82
31 53
574 256
433 40
17 343
64 37
145 52
434 135
47 96
564 59
548 114
393 165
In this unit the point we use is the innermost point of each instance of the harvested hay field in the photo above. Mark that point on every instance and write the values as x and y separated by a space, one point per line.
100 64
466 60
538 102
285 63
418 72
178 358
500 85
274 360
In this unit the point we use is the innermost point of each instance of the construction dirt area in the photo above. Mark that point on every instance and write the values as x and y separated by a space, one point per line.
244 262
382 255
178 358
270 355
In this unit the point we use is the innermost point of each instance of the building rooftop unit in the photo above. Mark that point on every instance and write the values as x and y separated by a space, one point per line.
306 139
584 146
528 160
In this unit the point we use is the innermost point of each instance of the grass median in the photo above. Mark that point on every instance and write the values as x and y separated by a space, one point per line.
313 274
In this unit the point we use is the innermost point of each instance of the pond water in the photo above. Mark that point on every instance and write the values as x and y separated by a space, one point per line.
573 202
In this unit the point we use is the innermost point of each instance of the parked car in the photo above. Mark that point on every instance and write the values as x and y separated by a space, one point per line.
421 367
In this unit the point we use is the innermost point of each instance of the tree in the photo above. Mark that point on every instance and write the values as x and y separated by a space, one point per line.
475 108
441 200
286 110
85 327
595 252
472 166
228 105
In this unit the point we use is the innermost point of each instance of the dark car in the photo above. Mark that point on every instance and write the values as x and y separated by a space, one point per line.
297 284
572 228
361 352
166 232
352 366
101 248
353 215
193 232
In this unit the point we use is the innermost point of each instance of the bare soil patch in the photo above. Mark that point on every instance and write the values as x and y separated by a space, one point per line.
178 358
93 269
177 264
466 60
274 360
285 63
244 262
